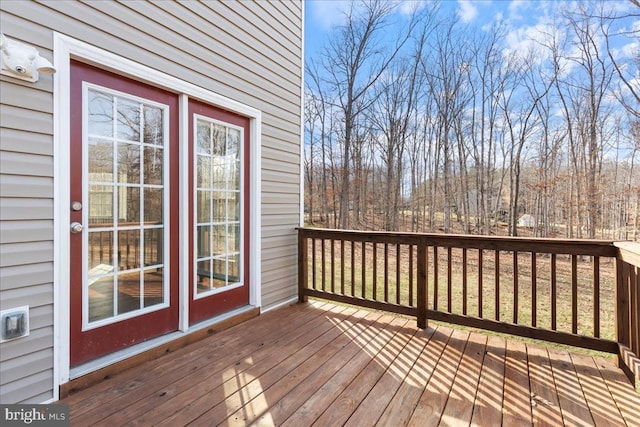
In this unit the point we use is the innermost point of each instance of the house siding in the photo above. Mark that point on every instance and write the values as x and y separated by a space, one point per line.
247 51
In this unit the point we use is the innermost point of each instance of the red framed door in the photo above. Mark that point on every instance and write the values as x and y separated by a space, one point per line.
218 213
124 198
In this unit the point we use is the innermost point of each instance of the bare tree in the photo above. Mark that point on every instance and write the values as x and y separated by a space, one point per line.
353 62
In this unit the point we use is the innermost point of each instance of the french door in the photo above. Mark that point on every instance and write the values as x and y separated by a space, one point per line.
218 211
124 218
125 213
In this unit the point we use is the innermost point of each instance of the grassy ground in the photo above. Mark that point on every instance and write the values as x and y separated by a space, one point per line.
401 284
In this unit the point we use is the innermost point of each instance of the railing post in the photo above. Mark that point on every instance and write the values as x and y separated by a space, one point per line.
421 293
622 303
303 267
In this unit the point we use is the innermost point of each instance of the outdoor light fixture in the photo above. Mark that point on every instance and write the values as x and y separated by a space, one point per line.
21 61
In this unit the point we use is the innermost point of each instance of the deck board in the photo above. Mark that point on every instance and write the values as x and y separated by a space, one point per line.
298 395
335 365
516 409
400 409
324 397
545 407
603 409
573 406
487 409
430 407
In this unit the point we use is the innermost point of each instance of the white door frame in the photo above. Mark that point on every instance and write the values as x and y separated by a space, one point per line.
66 48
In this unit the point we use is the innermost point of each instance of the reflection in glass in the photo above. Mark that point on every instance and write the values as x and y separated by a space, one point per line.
219 208
204 172
128 124
153 165
204 206
128 206
218 204
204 241
219 271
153 286
100 298
153 246
128 249
233 239
234 268
128 163
100 253
128 292
231 176
233 206
203 275
219 239
234 179
219 140
203 138
153 130
233 142
100 205
125 256
100 160
153 198
100 114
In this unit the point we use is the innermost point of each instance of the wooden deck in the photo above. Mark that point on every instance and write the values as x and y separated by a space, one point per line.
327 365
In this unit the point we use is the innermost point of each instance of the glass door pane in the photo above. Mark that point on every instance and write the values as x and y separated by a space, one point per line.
126 194
217 205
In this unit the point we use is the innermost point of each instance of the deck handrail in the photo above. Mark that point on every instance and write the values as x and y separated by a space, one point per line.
628 308
405 273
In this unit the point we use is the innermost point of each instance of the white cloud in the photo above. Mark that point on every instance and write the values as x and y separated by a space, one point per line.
327 13
514 9
467 11
407 7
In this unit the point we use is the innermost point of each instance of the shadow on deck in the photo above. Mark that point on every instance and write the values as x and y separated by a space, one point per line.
329 365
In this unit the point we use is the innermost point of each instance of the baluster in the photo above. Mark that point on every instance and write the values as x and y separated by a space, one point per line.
386 272
554 293
596 296
435 278
353 268
411 275
449 251
422 283
464 281
333 267
534 291
342 266
364 270
323 267
515 287
574 294
313 262
397 273
480 274
375 271
497 284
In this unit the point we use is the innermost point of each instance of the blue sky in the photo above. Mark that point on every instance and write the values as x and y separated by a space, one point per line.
525 19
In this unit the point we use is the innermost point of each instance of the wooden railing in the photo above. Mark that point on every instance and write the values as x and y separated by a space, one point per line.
628 308
582 293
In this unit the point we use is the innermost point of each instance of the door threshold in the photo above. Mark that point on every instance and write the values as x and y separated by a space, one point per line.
105 367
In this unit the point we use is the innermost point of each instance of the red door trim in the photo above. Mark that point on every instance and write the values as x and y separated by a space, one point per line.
88 345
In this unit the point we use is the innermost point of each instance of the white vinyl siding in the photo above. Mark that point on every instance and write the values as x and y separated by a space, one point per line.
246 51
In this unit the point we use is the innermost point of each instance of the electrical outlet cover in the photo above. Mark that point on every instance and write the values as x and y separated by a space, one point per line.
14 323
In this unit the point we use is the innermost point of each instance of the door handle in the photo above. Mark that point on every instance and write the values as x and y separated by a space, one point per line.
76 227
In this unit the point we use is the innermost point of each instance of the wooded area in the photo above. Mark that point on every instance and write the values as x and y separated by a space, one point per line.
420 122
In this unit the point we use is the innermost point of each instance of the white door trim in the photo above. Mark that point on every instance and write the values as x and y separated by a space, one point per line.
66 48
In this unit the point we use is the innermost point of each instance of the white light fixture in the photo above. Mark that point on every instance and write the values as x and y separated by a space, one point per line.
21 61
